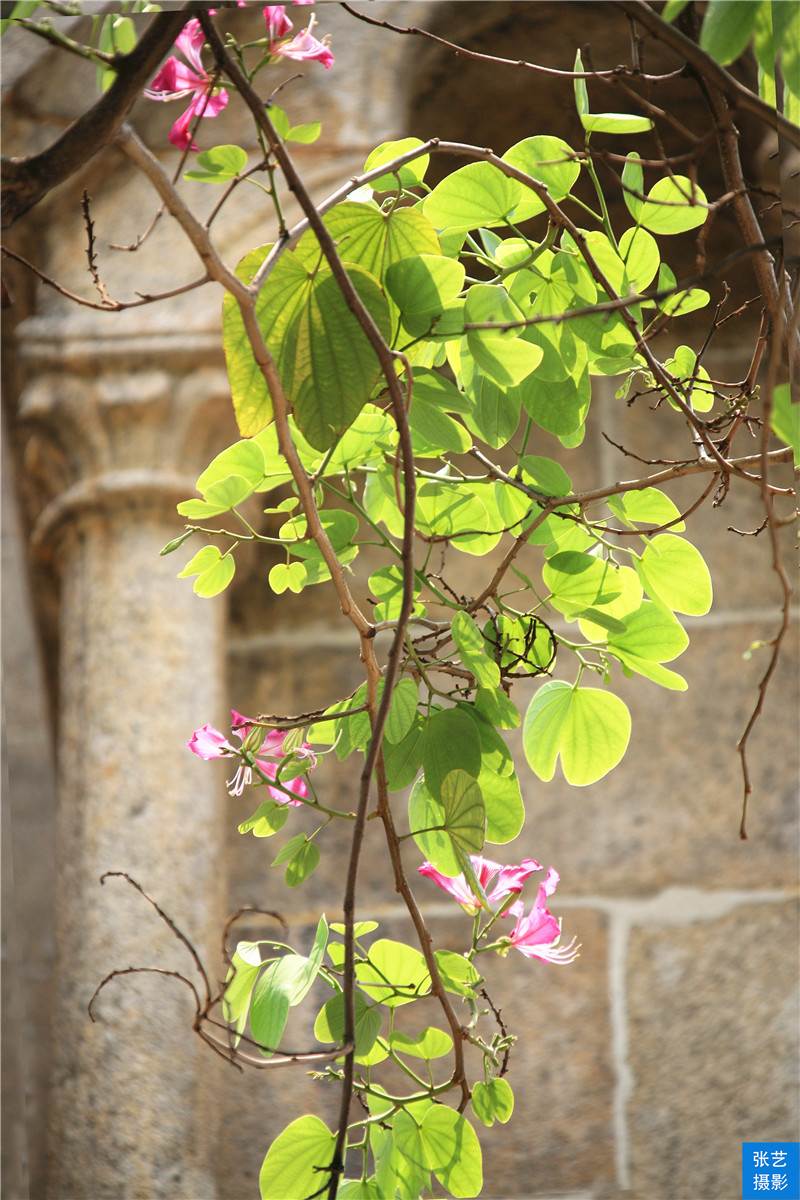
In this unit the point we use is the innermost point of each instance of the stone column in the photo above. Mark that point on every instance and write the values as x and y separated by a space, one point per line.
125 419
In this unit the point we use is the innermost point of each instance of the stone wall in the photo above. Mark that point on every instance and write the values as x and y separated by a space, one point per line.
641 1068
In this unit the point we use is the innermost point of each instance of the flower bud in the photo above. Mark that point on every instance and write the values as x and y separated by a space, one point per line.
293 740
254 740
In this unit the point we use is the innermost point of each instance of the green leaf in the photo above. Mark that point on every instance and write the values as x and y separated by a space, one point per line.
402 711
453 1150
505 811
312 964
275 308
435 389
214 571
244 970
545 476
288 577
580 581
464 811
298 1161
269 818
672 9
457 973
579 86
409 175
492 1101
403 759
288 851
727 28
430 1043
785 419
422 285
472 647
615 123
243 460
640 254
394 974
633 182
218 165
474 196
674 572
506 361
279 119
434 432
411 1161
652 633
360 928
648 506
550 161
495 414
374 240
329 366
303 864
426 819
674 205
597 623
305 134
269 1009
560 407
357 1189
329 1025
588 728
450 743
497 708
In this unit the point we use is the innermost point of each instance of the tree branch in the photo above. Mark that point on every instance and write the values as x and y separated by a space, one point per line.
736 92
25 181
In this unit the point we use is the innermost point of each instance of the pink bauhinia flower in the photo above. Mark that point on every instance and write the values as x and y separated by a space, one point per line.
509 881
208 742
304 47
176 80
538 934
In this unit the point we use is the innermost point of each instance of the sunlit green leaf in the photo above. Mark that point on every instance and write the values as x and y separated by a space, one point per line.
727 28
450 743
674 205
218 165
408 175
453 1150
426 819
430 1043
550 161
492 1101
296 1162
673 571
464 811
588 728
615 123
329 1025
476 195
395 973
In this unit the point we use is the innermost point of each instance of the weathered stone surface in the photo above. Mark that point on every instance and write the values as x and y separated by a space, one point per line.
722 1069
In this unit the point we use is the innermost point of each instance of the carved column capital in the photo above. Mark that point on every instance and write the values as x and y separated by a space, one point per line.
119 419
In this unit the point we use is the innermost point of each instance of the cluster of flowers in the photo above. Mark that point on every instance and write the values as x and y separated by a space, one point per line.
176 80
262 749
535 936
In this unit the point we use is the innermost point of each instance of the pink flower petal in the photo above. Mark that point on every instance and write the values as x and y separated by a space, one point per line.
298 786
306 48
208 742
190 42
278 24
